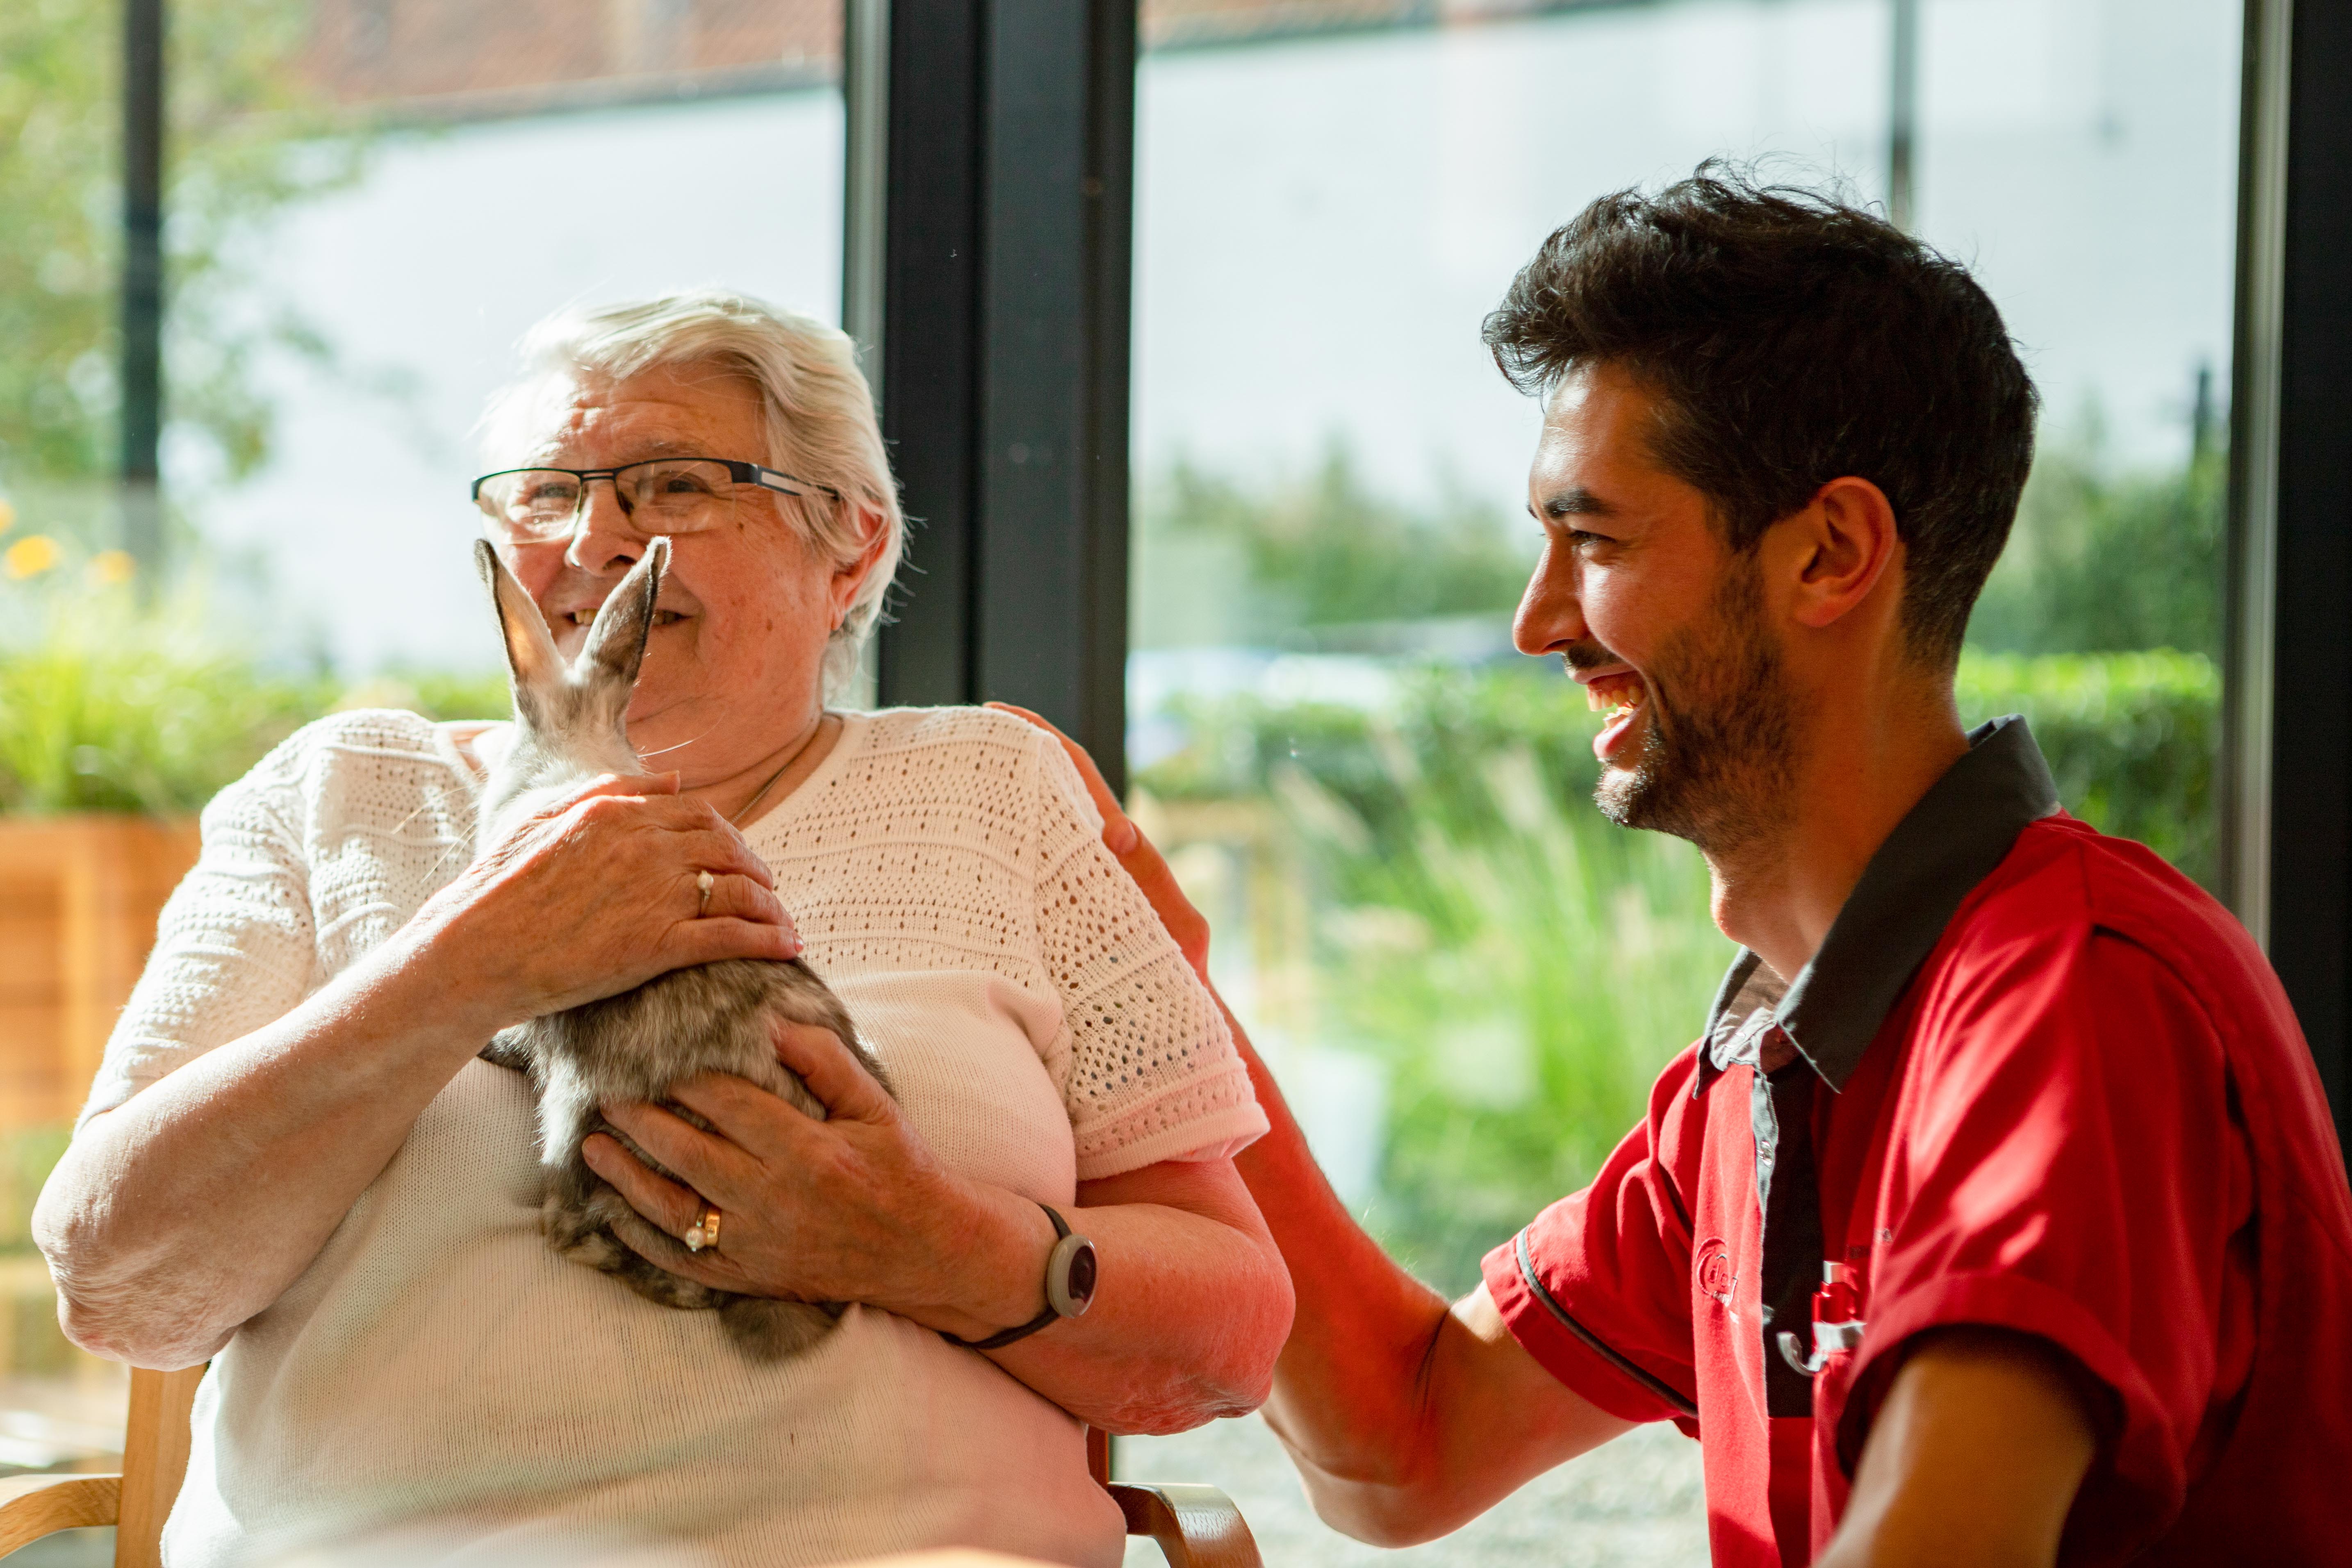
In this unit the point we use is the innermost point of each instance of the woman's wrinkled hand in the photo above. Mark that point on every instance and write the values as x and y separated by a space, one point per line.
600 893
1143 863
852 1208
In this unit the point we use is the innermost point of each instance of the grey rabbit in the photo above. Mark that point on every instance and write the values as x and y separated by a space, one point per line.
571 726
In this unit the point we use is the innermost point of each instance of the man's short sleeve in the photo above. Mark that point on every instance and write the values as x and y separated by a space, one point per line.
1597 1287
2066 1166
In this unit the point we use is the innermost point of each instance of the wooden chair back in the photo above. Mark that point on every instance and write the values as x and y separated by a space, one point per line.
154 1462
1196 1526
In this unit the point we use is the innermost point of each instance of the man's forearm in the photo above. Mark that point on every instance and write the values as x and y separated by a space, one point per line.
1349 1388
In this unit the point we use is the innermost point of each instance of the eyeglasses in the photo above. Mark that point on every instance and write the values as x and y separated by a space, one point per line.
662 495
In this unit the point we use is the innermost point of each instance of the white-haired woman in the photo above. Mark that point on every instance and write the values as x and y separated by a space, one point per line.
293 1162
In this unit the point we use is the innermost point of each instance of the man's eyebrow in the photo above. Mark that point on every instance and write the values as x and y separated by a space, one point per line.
1574 501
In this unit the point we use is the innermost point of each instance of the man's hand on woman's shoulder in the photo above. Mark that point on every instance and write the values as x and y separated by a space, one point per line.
1134 852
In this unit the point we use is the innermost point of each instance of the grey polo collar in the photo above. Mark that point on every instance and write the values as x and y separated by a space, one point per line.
1950 841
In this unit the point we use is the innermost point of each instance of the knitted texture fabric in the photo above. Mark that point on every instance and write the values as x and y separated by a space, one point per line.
438 1367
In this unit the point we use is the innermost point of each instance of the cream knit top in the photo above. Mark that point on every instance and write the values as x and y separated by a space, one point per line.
436 1367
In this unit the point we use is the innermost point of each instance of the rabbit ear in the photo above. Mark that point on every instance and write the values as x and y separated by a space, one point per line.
531 659
617 642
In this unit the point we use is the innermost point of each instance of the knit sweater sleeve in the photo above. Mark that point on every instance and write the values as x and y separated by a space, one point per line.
1154 1075
234 949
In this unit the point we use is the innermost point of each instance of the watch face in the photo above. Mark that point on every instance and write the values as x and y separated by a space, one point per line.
1082 1274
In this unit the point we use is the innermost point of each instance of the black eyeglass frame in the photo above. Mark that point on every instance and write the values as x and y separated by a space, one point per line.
740 472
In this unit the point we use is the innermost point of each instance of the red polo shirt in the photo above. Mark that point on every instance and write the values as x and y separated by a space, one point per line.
2036 1080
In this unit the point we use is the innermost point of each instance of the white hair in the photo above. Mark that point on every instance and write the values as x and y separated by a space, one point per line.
820 415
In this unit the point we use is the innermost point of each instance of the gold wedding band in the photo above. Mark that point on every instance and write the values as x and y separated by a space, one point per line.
704 1233
704 883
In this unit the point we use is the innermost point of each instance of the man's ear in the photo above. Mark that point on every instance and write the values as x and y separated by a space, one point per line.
1844 540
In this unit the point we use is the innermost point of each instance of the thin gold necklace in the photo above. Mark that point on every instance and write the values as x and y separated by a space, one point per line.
762 792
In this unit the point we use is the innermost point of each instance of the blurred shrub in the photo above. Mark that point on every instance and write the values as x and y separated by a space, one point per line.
1216 560
2104 562
1522 968
27 1156
103 708
31 1343
108 710
2133 739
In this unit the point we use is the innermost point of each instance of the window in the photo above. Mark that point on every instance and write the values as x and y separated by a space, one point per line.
531 156
368 201
1463 977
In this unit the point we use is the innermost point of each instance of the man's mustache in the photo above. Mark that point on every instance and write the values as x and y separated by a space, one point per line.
1588 656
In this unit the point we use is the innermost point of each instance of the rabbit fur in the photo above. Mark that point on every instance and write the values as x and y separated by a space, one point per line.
570 726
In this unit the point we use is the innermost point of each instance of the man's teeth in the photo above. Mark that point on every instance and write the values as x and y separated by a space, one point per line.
1615 699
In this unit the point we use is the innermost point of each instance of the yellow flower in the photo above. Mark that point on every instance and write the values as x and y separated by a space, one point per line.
7 516
30 556
113 567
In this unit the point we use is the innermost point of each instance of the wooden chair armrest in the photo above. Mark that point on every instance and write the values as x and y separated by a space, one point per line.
34 1506
1196 1526
949 1557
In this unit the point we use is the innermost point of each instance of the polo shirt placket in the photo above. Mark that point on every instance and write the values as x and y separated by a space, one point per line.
1813 1031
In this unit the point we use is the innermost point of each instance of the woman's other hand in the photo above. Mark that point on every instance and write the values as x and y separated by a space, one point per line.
1194 1302
852 1208
1186 925
599 893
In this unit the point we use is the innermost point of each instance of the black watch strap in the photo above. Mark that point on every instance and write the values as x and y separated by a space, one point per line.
1045 1320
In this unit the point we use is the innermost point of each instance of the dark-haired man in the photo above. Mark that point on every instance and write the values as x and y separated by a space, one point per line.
1996 1217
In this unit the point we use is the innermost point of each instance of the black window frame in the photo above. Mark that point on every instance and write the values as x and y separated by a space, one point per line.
2286 767
987 272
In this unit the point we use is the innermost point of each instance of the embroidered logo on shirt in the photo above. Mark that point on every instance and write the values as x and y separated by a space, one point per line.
1717 1277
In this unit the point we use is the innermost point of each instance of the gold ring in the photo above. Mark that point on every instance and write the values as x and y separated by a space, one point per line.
704 883
705 1234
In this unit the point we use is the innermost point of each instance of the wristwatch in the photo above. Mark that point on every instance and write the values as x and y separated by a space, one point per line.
1070 1272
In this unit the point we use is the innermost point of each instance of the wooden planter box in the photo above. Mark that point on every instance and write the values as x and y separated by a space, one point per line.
78 899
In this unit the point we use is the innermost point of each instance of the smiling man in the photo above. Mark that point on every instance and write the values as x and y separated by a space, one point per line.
1995 1217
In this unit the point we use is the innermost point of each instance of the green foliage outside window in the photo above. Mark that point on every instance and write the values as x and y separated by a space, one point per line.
1324 562
245 138
2105 563
1521 968
107 707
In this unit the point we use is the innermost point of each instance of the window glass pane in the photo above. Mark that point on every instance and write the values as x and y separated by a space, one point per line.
1463 977
368 202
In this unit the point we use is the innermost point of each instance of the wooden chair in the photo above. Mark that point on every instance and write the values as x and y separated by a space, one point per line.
1196 1526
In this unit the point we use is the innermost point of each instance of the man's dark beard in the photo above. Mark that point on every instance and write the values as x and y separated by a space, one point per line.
1714 766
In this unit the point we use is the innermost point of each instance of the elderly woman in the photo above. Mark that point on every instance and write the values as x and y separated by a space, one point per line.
294 1164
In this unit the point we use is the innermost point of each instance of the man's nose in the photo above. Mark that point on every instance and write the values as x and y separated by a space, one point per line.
603 543
1550 616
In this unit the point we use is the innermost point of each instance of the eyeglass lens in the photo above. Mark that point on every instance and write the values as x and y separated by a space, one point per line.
664 496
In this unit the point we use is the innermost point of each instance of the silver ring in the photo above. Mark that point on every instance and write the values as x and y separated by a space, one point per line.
704 883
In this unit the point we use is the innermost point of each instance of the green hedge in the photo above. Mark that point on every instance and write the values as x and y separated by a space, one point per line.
104 710
1523 969
2132 739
